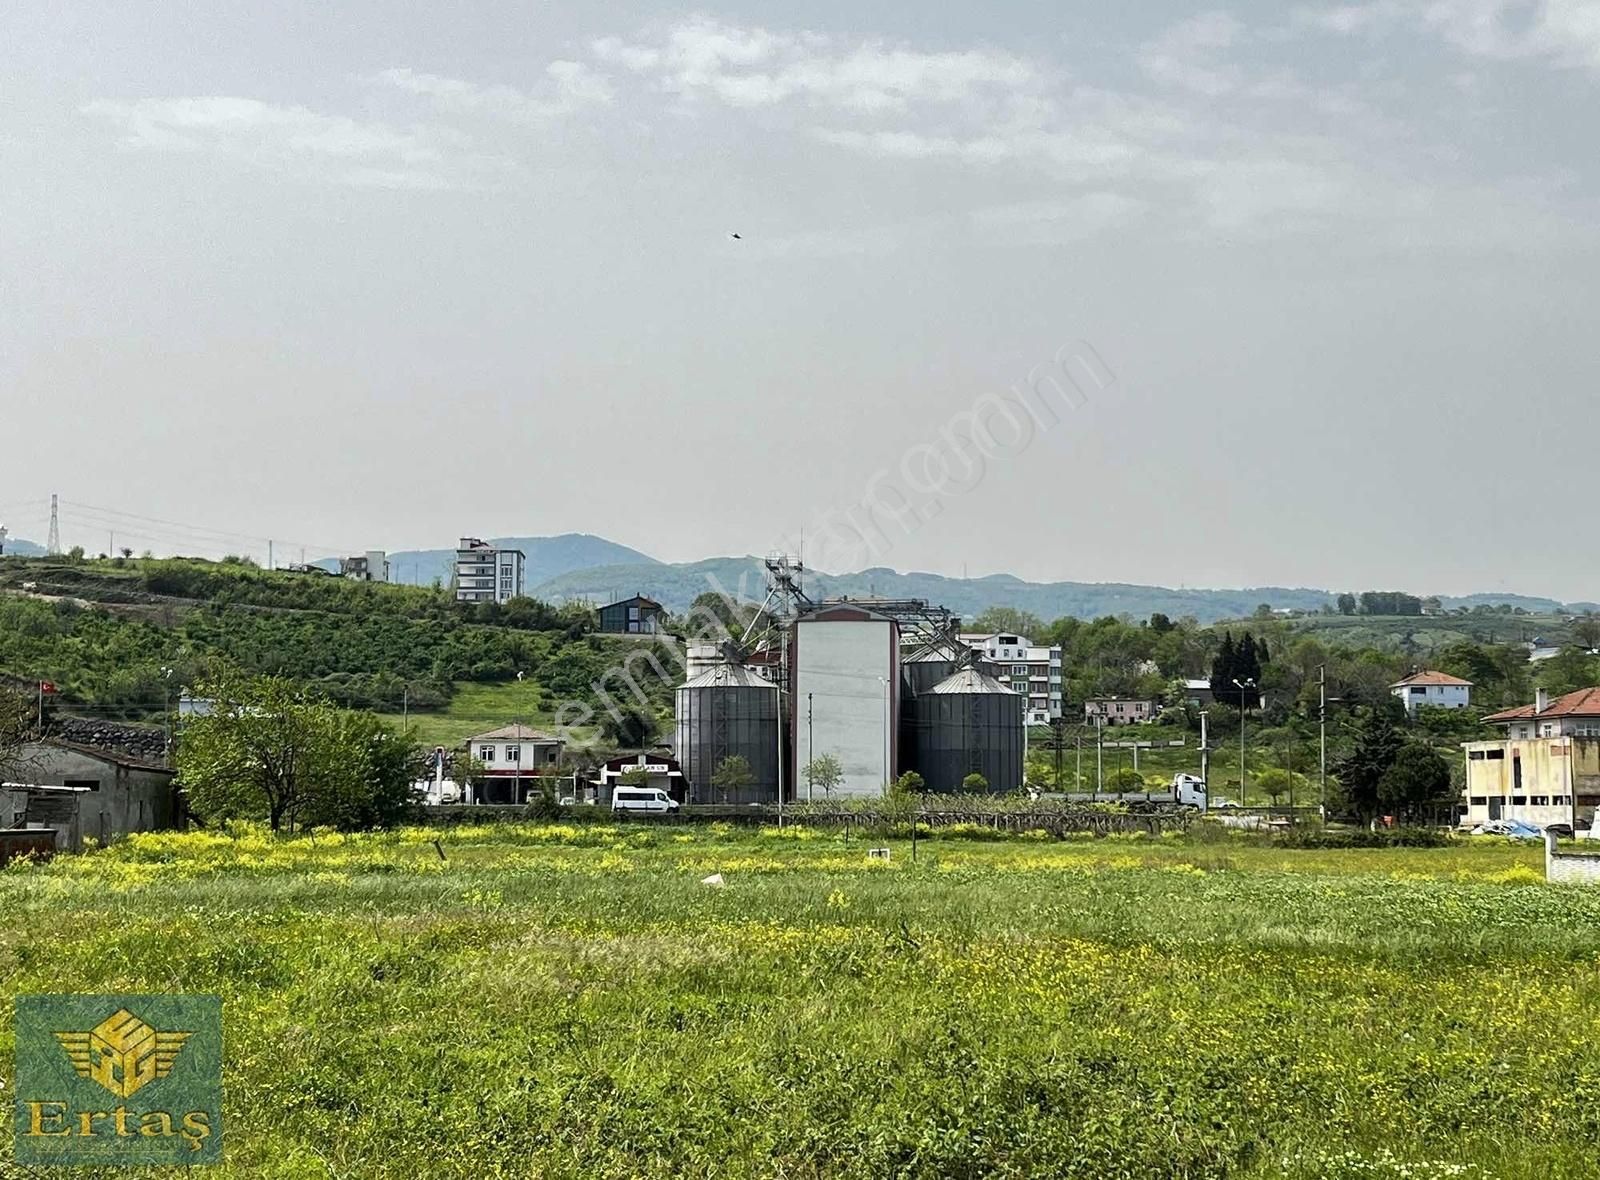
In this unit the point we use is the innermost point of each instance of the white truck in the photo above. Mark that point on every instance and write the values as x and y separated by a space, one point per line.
1185 790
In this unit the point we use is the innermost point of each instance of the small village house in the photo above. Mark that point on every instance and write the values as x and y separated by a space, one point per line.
1117 711
632 616
1438 690
515 758
84 791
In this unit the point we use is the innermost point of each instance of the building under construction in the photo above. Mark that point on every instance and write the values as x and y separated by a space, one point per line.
880 686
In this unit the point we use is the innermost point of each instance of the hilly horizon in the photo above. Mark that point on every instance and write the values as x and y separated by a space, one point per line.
590 568
676 584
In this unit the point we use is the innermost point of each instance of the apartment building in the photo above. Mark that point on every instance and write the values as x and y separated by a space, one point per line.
487 574
1029 671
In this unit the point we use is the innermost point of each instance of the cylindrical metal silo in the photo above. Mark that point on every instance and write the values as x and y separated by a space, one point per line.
923 671
724 712
970 723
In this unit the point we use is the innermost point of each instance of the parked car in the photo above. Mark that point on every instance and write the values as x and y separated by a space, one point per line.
642 799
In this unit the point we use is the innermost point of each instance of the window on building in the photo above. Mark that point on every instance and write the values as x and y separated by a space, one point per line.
1475 756
1539 800
1519 800
551 756
513 753
1479 801
485 753
1495 755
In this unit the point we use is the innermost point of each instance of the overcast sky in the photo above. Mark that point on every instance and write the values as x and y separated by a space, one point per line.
376 275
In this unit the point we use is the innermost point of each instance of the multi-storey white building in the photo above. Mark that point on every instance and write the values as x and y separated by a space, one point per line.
1029 671
487 574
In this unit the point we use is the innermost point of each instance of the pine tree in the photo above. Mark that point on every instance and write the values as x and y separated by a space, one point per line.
1248 669
1222 670
1378 744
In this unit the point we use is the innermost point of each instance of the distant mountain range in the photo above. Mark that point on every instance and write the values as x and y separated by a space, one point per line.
17 547
675 586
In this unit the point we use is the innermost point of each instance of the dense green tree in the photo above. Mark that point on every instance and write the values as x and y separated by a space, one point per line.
1234 665
1378 744
1416 779
1586 630
1347 604
629 728
975 784
1569 670
270 749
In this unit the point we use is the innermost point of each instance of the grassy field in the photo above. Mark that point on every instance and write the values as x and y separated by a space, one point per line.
478 708
564 1001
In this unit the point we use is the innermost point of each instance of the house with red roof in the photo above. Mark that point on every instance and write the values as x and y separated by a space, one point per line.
1439 690
1546 770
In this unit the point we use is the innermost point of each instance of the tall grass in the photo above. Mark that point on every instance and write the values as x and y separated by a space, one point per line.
572 1001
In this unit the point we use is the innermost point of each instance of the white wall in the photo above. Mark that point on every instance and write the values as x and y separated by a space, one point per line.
1437 696
839 672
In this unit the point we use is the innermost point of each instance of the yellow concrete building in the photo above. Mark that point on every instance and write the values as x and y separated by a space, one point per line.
1547 768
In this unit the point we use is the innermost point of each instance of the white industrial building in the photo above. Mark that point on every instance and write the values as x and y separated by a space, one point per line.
1031 672
845 671
487 574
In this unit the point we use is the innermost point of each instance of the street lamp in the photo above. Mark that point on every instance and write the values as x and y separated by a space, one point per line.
1242 685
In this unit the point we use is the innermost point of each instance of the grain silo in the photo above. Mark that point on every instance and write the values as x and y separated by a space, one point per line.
726 711
970 723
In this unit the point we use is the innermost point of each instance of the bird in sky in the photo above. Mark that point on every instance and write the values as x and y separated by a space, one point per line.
736 237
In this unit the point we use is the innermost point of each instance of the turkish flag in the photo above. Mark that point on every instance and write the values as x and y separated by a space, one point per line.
47 687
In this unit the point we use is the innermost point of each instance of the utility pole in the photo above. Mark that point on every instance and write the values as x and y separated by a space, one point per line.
1205 755
1322 740
405 706
1244 706
811 750
1099 756
780 759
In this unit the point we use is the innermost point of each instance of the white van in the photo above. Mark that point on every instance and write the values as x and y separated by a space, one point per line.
642 799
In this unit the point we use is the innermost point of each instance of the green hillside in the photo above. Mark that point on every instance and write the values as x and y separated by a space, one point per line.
124 639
